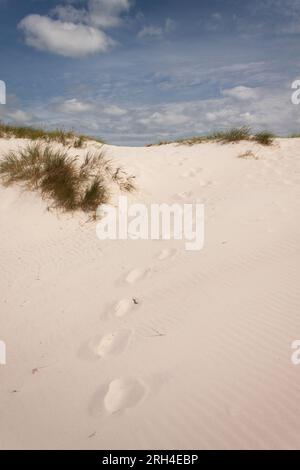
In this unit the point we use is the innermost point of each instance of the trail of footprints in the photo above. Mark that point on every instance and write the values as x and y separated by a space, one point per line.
124 393
127 392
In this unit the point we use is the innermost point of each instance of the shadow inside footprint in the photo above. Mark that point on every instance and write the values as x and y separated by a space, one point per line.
122 394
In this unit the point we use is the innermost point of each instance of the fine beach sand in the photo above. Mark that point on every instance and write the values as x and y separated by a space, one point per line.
201 358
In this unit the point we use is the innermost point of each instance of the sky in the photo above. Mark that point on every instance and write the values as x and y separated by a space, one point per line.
135 72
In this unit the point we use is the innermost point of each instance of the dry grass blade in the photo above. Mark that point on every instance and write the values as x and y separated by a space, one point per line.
125 182
248 155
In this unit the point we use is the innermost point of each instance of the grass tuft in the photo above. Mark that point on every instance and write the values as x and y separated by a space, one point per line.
264 138
125 182
248 155
58 135
69 184
295 135
233 135
94 195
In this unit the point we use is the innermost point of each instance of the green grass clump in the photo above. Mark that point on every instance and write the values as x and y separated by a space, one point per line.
264 138
32 133
192 140
96 191
69 184
294 136
232 135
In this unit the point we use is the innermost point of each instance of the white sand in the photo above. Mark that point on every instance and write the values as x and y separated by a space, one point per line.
204 359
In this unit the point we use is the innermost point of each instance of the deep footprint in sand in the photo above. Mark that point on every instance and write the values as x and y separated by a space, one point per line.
110 344
135 275
122 394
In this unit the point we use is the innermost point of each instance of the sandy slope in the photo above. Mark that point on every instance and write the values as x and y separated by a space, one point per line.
204 359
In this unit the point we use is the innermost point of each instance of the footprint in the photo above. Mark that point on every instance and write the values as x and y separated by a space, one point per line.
135 275
107 345
165 254
192 173
122 394
184 195
203 183
123 307
113 343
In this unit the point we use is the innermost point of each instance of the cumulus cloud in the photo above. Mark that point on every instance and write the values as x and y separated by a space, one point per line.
241 93
74 106
70 14
66 39
115 110
165 118
136 124
107 13
19 116
99 13
13 113
75 32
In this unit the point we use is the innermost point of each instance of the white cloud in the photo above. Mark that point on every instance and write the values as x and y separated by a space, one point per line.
19 116
70 14
67 39
170 25
74 106
241 93
114 110
99 13
165 118
75 32
152 31
107 13
157 31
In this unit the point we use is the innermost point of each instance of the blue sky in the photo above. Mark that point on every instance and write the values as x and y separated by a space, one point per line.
139 71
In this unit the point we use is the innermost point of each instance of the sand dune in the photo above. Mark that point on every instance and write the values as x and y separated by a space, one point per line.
142 344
